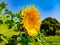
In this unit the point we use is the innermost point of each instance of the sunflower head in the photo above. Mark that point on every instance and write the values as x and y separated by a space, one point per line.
31 20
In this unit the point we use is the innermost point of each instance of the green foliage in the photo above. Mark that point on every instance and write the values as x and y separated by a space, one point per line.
2 6
49 26
5 30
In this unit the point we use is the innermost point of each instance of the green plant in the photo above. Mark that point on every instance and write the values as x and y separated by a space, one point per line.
12 31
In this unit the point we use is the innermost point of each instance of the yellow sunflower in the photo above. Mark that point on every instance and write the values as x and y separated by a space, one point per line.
31 20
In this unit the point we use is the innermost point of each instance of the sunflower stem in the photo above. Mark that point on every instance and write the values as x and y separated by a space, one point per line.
4 39
39 40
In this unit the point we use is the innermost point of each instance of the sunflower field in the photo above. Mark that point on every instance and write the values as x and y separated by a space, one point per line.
21 28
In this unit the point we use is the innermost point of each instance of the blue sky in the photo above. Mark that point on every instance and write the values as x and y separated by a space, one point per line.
47 8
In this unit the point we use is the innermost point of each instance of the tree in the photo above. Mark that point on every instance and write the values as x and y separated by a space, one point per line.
49 26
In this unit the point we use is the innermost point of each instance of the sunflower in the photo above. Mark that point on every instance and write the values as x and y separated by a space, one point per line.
31 20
